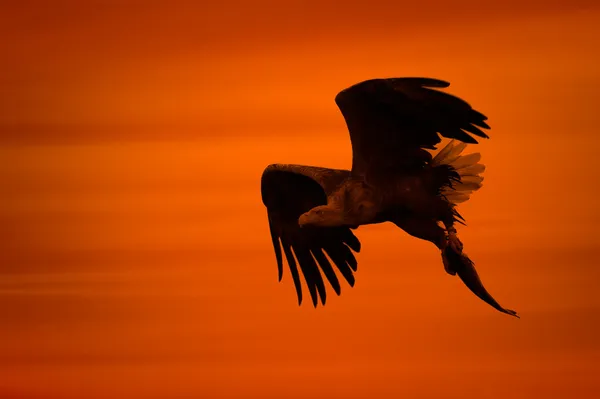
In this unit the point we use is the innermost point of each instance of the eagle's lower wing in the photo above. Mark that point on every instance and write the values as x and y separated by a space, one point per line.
288 191
393 121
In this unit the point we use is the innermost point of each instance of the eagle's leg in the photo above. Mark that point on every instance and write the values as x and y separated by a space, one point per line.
429 230
425 229
447 215
453 239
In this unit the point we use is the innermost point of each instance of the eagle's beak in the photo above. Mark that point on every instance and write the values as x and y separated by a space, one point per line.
302 220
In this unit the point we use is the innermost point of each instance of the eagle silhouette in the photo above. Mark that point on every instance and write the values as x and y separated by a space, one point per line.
393 125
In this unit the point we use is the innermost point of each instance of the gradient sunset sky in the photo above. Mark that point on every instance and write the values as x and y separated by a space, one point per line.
135 257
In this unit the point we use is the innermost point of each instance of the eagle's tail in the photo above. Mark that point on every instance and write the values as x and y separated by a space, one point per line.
459 188
464 267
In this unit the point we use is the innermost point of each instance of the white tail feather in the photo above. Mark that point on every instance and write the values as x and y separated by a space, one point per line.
467 167
457 198
455 152
467 186
466 161
473 170
471 179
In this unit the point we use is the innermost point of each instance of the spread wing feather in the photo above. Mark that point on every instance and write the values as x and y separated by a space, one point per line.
288 191
393 121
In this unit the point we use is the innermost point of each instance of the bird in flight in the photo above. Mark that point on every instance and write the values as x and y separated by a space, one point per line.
393 125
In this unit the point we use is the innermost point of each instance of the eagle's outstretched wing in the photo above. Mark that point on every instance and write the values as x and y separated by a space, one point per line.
393 121
288 191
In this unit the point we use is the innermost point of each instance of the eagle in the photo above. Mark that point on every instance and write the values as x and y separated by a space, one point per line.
395 125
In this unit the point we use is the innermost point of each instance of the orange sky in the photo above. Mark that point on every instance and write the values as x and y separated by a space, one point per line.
135 258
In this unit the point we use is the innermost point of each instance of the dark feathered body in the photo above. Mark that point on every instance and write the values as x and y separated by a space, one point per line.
414 192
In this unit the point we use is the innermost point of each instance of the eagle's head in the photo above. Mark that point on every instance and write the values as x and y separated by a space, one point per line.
331 216
322 216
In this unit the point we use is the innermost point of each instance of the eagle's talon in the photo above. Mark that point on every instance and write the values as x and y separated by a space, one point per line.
455 243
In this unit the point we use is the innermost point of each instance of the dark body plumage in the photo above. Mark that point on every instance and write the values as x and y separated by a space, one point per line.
392 123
